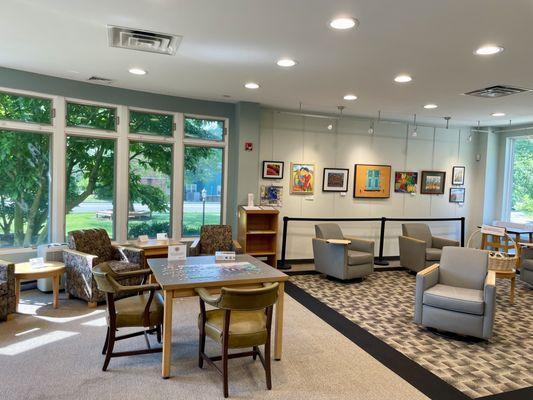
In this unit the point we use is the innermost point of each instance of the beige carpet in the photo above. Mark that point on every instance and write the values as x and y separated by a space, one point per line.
55 354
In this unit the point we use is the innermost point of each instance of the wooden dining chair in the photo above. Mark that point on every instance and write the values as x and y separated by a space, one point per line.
242 318
139 310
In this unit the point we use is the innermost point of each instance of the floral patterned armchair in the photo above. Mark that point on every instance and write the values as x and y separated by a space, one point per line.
7 289
214 238
88 248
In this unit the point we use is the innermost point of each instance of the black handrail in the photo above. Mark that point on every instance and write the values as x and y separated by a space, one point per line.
379 260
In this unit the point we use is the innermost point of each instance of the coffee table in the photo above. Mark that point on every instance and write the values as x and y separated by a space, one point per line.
51 269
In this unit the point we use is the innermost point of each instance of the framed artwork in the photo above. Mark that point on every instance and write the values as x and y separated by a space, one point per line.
302 178
405 182
335 180
457 195
273 169
271 196
372 181
433 182
458 175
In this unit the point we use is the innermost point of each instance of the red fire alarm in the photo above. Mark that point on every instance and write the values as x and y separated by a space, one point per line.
248 146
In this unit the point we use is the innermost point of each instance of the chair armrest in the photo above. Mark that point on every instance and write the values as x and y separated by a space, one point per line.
424 280
208 297
330 258
363 245
489 297
237 247
194 250
129 274
526 253
439 242
74 258
131 254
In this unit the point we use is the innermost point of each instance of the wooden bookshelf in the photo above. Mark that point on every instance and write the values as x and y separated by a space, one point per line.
258 233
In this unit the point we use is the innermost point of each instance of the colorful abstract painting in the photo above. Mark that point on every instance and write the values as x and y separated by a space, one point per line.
335 180
271 196
405 182
302 178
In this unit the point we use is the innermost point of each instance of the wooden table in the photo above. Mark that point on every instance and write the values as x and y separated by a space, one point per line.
51 269
154 248
180 278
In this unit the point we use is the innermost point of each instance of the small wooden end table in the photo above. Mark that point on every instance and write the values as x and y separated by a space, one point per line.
51 269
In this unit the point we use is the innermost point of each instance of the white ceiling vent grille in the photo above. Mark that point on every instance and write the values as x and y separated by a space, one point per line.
135 39
493 92
99 79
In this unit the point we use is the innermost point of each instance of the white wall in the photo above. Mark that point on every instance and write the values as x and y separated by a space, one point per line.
294 138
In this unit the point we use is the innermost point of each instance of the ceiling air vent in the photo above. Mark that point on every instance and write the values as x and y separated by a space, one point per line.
99 79
135 39
493 92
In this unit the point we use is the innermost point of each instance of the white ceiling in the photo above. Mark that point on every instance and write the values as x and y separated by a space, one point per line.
227 43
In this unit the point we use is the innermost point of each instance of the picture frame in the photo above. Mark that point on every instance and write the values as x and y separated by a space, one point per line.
302 178
273 169
271 195
432 182
335 179
457 195
405 181
458 175
372 181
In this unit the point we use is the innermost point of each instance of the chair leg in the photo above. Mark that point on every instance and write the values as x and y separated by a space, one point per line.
158 333
201 348
225 367
255 349
268 360
92 304
110 346
106 341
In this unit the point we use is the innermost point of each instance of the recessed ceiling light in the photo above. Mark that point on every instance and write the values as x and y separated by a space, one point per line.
498 114
251 85
350 97
343 23
403 79
286 62
137 71
488 50
430 106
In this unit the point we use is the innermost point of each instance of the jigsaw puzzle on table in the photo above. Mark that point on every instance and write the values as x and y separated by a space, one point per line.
207 271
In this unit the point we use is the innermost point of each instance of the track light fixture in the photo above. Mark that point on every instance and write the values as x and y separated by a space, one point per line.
414 133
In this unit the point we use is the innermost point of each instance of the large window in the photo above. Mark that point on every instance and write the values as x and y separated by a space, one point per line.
201 128
24 188
521 188
90 184
15 107
150 178
91 116
202 191
151 123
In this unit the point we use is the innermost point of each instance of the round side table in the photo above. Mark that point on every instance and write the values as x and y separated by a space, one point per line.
51 269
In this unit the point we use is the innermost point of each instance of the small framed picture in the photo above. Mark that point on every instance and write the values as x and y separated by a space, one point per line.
273 169
335 180
433 182
457 195
458 175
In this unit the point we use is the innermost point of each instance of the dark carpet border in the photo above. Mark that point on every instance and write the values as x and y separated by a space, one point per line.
419 377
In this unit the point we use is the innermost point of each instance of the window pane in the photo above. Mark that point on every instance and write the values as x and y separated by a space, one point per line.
94 117
202 188
24 188
90 184
522 190
149 189
152 124
204 129
25 109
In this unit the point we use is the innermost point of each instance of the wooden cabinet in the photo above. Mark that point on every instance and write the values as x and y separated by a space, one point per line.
258 233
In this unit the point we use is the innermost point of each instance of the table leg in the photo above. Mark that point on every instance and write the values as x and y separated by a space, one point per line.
55 288
513 285
279 322
167 334
17 293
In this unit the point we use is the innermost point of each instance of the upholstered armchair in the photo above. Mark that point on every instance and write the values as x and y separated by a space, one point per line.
419 248
350 260
459 295
7 290
88 248
526 265
214 238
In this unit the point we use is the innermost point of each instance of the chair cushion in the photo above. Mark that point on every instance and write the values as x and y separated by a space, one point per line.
92 241
359 257
527 264
247 328
215 238
433 254
3 288
122 266
130 310
469 301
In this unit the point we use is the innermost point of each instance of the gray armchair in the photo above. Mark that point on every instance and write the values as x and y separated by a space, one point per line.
342 261
418 248
458 296
526 265
88 248
7 290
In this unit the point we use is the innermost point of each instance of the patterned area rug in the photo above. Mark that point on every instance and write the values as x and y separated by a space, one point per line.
383 305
